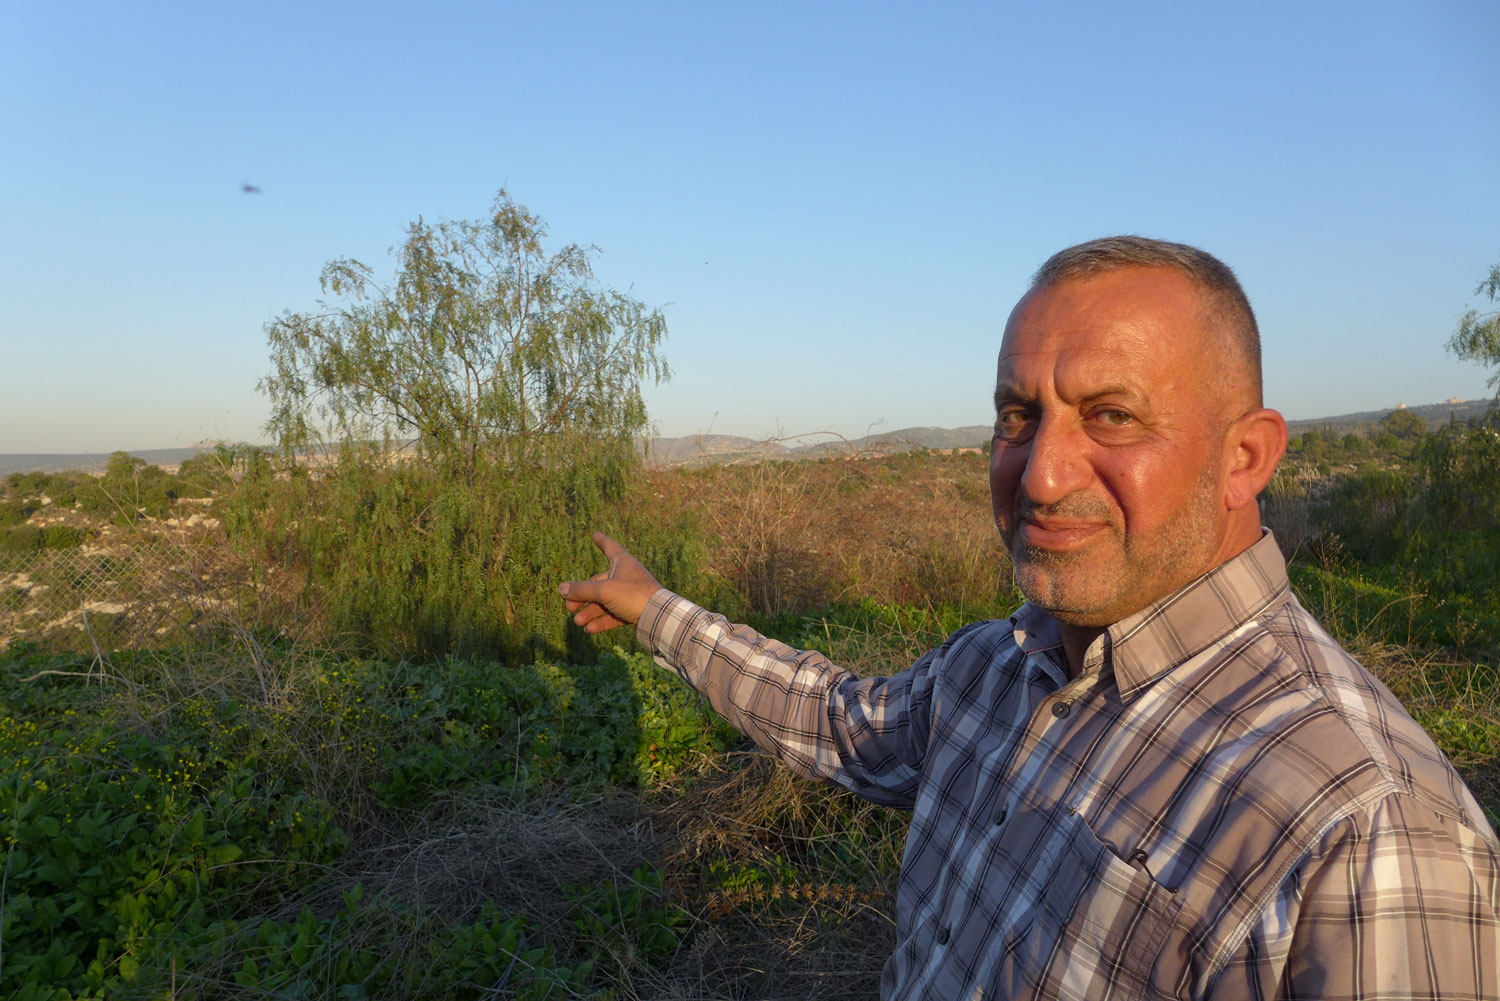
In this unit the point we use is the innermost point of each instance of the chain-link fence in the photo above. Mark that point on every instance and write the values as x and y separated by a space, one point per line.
125 595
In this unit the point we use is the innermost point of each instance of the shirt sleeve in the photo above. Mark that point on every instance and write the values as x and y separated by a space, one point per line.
1396 902
866 734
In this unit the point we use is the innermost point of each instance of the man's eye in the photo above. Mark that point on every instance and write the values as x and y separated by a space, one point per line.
1012 424
1114 418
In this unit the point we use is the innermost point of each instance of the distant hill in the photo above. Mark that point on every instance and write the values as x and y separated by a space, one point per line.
88 462
1435 414
701 449
904 440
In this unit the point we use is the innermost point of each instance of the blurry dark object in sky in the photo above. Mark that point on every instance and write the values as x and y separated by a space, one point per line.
250 189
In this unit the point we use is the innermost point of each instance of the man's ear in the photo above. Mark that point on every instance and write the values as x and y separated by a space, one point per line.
1253 447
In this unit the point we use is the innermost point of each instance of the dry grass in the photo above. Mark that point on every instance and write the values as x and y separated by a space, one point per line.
791 884
815 920
1460 699
795 536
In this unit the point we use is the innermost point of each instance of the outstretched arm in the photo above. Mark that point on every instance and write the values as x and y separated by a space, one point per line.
868 735
613 597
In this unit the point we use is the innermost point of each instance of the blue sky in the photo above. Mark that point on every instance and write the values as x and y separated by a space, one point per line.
836 204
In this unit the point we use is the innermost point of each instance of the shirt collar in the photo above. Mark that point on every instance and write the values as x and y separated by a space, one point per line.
1142 647
1039 637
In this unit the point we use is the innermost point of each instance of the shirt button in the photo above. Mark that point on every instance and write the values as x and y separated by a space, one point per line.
1000 816
942 936
1061 709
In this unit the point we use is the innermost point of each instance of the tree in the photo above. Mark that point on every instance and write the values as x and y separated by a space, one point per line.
520 379
1404 424
1477 338
1314 447
483 341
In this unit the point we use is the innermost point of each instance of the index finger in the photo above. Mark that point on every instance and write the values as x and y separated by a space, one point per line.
611 549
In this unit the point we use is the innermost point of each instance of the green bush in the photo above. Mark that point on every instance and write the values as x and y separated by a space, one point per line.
1355 446
27 484
61 537
15 512
130 490
209 472
1368 511
415 560
21 539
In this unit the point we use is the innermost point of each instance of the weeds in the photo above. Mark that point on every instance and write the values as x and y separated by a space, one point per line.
246 805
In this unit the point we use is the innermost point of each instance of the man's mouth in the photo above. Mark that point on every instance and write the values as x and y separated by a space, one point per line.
1058 534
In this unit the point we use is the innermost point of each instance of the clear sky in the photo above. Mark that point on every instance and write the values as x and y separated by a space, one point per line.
837 204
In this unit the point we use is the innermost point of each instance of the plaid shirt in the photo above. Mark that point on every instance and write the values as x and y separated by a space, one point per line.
1222 805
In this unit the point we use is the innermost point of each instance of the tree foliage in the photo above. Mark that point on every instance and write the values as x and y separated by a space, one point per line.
1477 338
482 342
1404 424
520 379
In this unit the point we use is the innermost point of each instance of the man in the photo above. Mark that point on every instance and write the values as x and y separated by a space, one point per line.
1160 777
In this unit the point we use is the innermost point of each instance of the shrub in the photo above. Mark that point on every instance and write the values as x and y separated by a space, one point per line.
129 490
21 539
15 512
1368 510
413 560
1354 445
208 472
61 537
1404 424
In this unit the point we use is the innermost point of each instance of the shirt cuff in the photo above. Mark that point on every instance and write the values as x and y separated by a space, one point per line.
664 621
647 627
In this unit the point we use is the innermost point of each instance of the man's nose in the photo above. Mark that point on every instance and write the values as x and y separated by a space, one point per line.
1057 464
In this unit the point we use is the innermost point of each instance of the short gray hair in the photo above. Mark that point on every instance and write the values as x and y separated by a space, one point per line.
1221 291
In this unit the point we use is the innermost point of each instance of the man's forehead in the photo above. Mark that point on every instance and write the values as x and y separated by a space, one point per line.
1137 321
1125 360
1138 295
1072 375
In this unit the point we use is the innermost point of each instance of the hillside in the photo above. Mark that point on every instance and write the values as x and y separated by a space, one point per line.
697 450
1435 414
709 449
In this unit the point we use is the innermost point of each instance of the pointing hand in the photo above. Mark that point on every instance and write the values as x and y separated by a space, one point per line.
615 597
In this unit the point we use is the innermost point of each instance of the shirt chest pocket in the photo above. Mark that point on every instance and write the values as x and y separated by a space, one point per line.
1095 930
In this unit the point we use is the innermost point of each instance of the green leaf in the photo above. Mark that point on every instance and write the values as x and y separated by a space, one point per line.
224 854
249 974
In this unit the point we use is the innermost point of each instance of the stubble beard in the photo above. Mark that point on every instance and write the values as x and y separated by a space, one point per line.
1118 576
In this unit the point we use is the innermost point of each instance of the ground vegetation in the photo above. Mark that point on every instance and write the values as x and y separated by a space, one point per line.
262 804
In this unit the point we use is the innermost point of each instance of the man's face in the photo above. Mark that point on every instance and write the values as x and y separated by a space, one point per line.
1108 469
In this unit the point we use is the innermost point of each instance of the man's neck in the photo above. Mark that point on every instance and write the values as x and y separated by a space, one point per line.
1076 640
